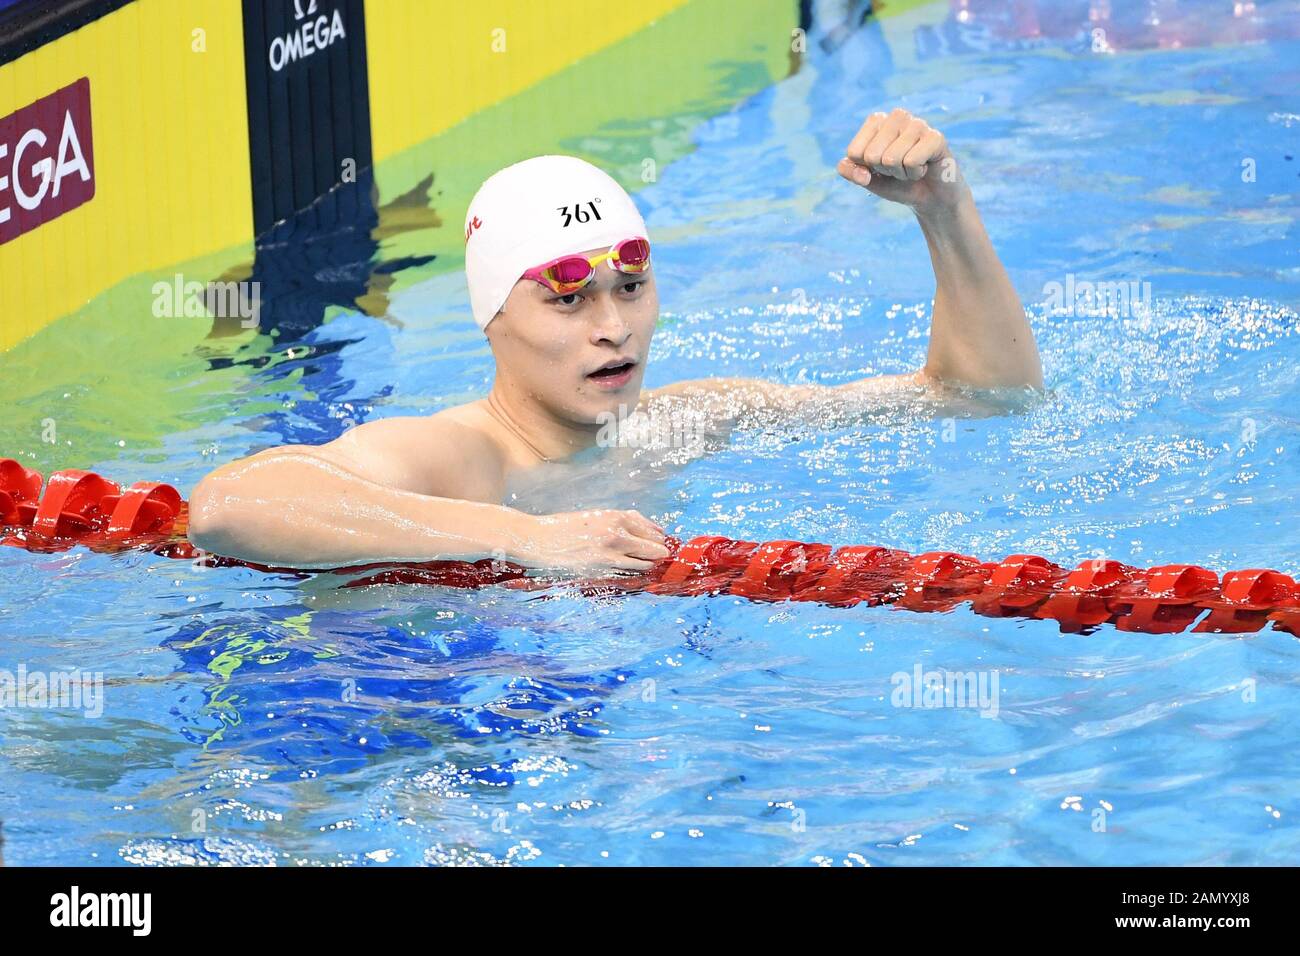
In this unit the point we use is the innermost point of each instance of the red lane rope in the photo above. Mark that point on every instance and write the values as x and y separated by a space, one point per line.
82 508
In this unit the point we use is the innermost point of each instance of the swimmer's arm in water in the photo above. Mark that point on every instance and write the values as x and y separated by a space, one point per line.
979 336
724 401
400 490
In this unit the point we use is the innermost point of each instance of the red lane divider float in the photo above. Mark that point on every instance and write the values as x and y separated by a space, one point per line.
82 508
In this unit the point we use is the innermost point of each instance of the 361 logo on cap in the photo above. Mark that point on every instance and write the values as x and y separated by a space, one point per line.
579 212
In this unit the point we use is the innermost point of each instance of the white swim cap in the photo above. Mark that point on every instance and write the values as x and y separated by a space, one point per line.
535 211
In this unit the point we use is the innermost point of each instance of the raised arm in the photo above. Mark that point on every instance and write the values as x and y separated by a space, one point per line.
979 336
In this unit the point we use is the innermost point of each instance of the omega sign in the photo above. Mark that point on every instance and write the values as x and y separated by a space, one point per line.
47 164
315 31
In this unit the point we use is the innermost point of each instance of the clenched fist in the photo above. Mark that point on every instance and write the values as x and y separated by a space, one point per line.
899 157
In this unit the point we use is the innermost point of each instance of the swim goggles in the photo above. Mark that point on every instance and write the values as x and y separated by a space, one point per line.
568 274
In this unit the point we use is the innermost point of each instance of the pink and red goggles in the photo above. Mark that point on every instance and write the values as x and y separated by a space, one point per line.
568 274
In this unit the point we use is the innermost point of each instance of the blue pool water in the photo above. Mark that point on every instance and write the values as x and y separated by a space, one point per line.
258 719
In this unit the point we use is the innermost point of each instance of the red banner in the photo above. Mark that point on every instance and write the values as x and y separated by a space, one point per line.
47 162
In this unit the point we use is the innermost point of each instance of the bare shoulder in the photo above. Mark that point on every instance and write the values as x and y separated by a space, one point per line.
445 454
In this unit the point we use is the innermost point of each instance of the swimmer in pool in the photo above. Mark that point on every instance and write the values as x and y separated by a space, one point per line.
558 263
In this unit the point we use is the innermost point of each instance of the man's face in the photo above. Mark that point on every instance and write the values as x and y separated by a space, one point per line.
581 355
